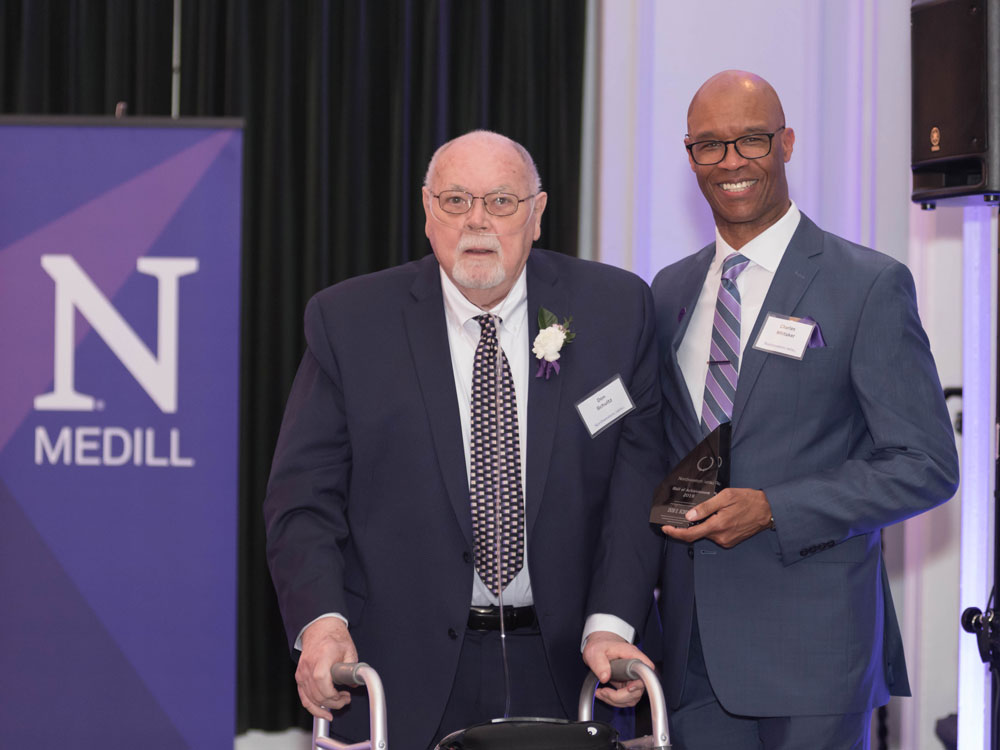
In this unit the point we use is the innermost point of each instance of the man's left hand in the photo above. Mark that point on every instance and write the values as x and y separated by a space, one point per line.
730 517
600 649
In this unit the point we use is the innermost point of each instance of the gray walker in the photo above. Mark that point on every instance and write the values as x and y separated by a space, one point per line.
354 675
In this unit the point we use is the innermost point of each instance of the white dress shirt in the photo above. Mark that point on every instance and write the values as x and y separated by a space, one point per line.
764 253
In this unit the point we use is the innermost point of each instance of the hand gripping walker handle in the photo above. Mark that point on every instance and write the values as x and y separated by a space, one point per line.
354 675
631 669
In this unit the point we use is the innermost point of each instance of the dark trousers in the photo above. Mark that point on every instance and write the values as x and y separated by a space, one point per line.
478 693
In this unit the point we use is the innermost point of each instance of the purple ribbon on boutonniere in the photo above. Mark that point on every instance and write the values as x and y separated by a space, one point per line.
549 342
681 314
816 339
545 369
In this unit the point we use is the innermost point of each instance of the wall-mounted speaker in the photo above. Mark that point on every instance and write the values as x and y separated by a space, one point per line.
955 51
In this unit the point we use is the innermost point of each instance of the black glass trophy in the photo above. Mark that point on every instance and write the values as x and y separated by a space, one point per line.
699 476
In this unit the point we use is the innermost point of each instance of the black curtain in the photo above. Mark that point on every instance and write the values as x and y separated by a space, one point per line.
82 58
344 102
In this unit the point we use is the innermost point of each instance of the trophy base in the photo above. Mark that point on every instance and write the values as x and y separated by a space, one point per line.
672 516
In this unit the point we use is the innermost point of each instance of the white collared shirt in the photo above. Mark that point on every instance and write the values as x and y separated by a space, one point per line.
764 252
463 338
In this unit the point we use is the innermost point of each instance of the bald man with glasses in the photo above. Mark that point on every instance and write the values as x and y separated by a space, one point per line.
779 630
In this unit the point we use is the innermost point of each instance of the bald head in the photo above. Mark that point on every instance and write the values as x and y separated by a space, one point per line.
487 139
737 87
737 122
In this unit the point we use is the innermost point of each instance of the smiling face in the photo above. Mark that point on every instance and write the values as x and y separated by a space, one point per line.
481 253
746 195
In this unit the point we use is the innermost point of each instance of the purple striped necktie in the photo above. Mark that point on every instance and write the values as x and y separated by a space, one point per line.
724 354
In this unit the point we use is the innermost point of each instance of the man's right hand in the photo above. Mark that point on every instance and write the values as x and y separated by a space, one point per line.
324 643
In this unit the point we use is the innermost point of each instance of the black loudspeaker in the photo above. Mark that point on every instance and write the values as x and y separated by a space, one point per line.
955 53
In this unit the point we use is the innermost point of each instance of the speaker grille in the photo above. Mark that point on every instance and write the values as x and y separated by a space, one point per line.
949 80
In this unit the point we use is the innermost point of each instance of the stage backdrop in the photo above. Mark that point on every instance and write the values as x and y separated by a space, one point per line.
119 343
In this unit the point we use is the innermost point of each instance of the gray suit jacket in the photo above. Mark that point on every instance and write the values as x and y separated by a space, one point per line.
850 439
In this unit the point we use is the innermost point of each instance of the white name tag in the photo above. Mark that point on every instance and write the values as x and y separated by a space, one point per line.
785 336
602 408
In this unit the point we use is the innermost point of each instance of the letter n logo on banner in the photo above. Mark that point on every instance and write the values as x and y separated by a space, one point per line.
76 292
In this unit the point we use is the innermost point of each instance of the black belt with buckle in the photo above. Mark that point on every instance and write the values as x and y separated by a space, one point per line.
488 618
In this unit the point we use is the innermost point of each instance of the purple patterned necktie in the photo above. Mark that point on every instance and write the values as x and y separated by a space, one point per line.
724 355
494 450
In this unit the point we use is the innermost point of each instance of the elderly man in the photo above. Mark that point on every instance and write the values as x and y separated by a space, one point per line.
393 477
779 629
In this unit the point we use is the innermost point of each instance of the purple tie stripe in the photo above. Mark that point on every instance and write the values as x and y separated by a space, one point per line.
729 310
720 397
725 367
728 332
712 412
724 358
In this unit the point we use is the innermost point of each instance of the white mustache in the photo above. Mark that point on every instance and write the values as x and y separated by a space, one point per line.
479 242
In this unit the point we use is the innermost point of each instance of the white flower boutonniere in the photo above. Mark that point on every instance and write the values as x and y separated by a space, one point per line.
549 342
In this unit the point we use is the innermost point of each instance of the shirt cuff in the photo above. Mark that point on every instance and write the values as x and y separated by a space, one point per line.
610 623
298 641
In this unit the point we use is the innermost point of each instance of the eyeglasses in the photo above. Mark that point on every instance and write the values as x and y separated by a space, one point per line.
497 204
753 146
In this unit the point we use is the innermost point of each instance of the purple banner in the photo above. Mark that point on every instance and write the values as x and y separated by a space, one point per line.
119 371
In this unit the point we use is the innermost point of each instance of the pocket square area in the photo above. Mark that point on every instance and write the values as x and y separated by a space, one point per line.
816 340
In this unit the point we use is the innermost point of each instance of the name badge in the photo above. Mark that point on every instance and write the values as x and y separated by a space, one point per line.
603 407
783 335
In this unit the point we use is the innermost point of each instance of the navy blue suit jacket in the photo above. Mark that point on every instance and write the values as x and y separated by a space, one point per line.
850 439
368 511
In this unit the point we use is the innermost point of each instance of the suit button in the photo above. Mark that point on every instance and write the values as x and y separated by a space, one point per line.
466 556
691 552
803 552
453 634
829 544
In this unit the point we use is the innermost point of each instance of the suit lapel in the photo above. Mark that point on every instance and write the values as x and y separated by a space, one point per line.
689 283
795 272
544 290
428 337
